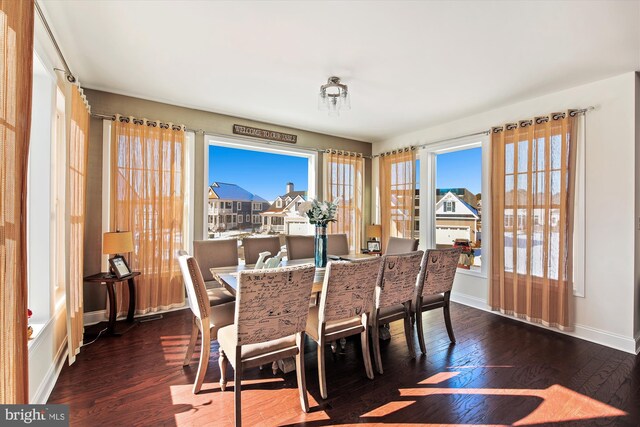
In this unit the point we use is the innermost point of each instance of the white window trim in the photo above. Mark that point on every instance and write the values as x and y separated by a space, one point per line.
427 216
246 144
239 206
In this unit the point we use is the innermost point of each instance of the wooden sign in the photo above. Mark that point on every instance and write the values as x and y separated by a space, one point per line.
264 134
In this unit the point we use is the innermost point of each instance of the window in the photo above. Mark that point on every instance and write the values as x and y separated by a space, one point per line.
449 206
254 173
452 214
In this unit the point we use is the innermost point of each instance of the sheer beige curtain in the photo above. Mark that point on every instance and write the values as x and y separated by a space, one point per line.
397 194
77 149
16 75
532 204
344 180
147 198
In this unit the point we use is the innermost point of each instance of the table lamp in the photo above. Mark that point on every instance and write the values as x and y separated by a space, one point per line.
117 243
374 232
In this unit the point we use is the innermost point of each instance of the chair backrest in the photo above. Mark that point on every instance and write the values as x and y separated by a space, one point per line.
399 279
437 271
254 245
214 254
196 289
299 247
337 244
348 287
273 303
398 245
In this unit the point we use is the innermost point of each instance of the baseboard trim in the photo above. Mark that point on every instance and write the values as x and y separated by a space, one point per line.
49 382
93 317
587 333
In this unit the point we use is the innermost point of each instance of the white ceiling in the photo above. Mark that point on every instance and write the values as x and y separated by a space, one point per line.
408 65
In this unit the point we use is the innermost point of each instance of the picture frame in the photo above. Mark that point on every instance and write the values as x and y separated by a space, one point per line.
119 266
373 246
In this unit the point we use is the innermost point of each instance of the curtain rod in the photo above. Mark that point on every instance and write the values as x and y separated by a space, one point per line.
67 72
576 112
245 138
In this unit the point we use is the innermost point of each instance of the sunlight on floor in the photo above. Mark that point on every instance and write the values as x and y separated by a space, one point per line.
558 403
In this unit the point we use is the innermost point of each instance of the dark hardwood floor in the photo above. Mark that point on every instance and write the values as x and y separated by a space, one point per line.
500 372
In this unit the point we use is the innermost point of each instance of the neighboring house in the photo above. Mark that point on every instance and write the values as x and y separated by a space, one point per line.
457 216
232 207
283 217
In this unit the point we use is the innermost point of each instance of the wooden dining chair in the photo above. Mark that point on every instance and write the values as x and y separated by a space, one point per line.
437 271
398 245
254 245
394 295
207 320
346 302
337 244
271 315
299 247
215 254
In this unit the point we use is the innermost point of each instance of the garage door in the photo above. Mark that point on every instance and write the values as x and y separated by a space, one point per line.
445 235
298 228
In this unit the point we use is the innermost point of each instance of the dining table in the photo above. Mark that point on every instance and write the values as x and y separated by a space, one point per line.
228 276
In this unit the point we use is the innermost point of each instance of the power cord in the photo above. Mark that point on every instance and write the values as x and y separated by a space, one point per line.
95 339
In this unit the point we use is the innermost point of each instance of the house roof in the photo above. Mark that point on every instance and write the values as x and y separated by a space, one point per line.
273 209
233 192
460 199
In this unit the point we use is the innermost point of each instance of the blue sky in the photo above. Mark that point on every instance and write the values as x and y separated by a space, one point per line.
460 169
263 174
266 174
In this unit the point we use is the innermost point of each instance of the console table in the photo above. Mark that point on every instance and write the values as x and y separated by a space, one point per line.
109 280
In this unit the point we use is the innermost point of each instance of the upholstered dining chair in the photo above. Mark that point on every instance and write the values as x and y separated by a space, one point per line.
254 245
437 271
345 305
271 315
393 298
337 244
398 245
207 320
299 247
214 254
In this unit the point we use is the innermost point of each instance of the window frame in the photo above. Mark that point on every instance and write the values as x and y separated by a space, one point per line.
428 169
311 155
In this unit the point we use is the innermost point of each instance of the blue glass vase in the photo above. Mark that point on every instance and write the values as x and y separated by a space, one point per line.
321 246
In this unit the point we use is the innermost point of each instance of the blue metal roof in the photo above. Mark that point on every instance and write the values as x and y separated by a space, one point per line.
233 192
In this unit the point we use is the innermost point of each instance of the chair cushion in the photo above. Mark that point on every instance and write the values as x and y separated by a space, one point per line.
221 315
219 295
227 337
391 311
430 299
330 327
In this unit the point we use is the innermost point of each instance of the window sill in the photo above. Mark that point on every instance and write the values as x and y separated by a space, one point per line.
37 329
466 272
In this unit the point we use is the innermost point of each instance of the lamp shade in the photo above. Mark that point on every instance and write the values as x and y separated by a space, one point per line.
117 242
374 231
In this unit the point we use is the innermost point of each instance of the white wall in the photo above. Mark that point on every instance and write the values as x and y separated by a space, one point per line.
606 313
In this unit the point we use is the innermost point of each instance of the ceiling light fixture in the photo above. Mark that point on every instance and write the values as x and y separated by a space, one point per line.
334 96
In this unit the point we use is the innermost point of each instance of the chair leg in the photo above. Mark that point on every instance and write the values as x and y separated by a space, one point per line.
418 314
205 350
375 338
222 363
192 343
302 382
408 330
237 386
447 319
364 338
322 378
